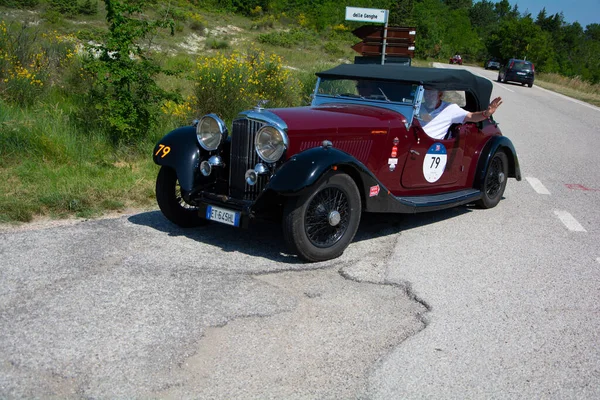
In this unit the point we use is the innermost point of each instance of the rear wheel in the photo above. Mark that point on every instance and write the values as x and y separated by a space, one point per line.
320 224
499 80
530 84
495 180
171 203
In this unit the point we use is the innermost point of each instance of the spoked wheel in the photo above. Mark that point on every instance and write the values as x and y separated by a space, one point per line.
171 203
495 180
319 225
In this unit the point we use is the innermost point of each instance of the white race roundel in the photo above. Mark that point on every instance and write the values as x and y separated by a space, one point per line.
435 162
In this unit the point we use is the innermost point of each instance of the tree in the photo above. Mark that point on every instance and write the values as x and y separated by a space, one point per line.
483 18
503 10
125 92
430 16
459 4
401 12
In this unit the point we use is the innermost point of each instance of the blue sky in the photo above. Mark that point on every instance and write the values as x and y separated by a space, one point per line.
583 11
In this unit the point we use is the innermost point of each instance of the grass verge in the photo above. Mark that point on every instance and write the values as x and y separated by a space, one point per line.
572 87
47 168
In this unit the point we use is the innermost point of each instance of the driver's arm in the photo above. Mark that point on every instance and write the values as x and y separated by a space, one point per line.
485 114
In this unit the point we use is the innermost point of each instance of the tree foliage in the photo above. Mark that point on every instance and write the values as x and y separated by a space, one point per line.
475 29
124 91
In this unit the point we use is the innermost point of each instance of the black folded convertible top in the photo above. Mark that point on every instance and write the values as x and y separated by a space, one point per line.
435 78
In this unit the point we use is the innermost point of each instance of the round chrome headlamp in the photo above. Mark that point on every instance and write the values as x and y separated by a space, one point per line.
211 130
270 143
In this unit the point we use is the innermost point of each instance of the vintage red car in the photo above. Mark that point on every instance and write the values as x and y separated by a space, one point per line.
359 147
456 59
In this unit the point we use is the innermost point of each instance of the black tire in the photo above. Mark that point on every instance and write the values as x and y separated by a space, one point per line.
170 202
320 224
499 80
495 180
530 84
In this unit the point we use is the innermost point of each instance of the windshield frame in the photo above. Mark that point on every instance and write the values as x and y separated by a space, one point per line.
409 107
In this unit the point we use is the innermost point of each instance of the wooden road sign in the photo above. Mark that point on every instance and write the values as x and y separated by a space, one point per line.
392 49
399 40
394 33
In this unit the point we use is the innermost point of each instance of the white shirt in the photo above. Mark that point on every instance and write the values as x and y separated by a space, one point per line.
437 122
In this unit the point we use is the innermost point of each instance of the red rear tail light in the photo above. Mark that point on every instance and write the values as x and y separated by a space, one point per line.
532 68
512 63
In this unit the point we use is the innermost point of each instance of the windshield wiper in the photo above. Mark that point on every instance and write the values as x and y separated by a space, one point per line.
384 96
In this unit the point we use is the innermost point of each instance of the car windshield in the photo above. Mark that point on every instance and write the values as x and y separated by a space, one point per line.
394 92
522 66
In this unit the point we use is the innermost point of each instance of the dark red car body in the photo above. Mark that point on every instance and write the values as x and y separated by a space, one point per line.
350 127
348 153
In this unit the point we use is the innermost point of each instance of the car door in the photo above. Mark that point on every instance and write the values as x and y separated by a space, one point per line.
436 163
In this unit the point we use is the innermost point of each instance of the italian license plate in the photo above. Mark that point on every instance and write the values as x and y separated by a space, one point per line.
223 216
521 73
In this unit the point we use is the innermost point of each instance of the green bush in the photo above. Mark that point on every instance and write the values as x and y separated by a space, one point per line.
31 62
228 85
333 49
88 7
291 38
265 22
53 17
65 7
216 44
125 95
197 26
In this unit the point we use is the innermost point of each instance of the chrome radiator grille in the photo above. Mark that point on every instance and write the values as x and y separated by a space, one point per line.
243 158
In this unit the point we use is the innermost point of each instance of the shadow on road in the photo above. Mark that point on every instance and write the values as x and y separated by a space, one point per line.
265 239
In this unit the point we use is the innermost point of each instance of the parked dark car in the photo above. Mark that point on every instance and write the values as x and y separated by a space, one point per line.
359 147
456 59
492 63
514 70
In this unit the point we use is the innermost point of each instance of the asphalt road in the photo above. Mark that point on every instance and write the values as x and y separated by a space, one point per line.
464 303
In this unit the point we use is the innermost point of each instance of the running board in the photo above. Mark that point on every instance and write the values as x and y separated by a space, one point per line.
440 201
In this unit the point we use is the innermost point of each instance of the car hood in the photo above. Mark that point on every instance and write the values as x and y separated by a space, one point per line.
338 118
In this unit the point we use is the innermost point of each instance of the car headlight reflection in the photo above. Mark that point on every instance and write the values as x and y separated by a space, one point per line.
270 143
211 131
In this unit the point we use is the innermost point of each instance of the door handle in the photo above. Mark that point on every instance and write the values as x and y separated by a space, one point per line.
415 152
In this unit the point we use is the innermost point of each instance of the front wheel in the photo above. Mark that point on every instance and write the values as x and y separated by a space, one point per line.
495 180
320 224
171 203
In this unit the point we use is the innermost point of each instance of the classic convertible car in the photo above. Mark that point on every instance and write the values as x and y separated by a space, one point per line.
359 147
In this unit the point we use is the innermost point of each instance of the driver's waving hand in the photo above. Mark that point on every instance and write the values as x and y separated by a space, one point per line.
437 115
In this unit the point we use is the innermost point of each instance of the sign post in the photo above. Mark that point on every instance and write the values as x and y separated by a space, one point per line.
370 15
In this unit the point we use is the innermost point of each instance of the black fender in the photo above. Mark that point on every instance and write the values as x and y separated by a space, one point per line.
179 149
494 144
303 170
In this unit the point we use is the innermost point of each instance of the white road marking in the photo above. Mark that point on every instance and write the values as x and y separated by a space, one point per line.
537 185
569 221
503 86
598 259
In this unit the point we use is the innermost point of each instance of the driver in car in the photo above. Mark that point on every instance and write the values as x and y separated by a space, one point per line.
367 88
436 115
